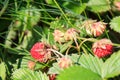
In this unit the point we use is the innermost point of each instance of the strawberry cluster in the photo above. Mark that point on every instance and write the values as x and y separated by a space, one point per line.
42 52
60 36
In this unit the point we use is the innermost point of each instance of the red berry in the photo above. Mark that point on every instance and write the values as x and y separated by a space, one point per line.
39 52
52 76
64 62
102 48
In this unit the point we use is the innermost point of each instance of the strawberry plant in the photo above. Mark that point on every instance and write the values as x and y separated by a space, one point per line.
60 40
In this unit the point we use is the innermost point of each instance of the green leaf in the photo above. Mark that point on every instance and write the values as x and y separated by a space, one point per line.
111 67
65 46
99 5
23 63
28 17
51 2
27 41
92 63
108 69
59 24
5 3
26 74
115 24
75 58
74 6
17 51
10 35
47 36
78 73
55 69
2 71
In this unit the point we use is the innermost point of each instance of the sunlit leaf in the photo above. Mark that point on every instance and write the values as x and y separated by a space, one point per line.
75 7
55 69
90 62
75 58
23 63
26 74
59 24
65 46
115 24
98 5
111 66
78 73
2 71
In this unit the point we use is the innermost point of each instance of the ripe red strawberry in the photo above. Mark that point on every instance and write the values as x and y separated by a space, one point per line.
70 34
31 65
40 52
58 36
52 76
64 62
94 28
102 48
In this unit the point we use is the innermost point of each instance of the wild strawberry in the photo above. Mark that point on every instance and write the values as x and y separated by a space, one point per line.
64 62
52 76
94 28
117 4
98 28
40 52
87 24
102 48
58 36
31 65
70 34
